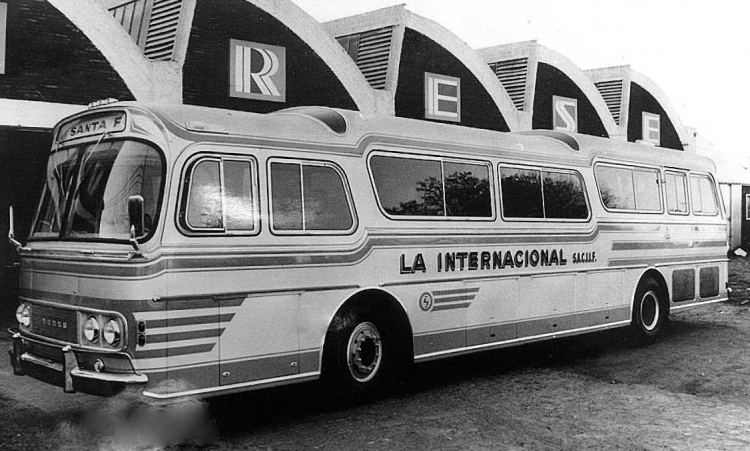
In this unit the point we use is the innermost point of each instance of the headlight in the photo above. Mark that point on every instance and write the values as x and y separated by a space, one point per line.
91 330
112 332
23 315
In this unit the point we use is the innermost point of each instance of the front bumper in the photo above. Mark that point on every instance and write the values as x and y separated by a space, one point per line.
74 369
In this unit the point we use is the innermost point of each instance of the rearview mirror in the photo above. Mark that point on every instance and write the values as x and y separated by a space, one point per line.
136 215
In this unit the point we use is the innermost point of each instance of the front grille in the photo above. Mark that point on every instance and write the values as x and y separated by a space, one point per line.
46 351
59 324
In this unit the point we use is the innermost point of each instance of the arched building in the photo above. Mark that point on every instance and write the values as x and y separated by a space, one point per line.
426 71
640 108
550 89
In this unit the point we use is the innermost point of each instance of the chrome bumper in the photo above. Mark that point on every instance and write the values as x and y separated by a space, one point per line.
25 362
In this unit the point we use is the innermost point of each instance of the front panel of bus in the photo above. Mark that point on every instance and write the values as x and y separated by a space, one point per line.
89 259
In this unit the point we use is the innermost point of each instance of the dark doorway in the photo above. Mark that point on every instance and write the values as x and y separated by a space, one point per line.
745 219
23 156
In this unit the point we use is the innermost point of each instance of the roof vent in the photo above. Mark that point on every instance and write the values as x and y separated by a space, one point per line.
332 119
564 138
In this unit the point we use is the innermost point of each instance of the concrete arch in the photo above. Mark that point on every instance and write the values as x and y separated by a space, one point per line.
401 18
627 76
537 53
147 80
314 35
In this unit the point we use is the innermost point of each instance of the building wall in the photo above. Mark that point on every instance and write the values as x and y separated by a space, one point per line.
551 81
421 54
49 60
206 76
640 101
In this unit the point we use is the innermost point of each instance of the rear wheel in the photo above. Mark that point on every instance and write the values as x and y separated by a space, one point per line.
650 311
359 354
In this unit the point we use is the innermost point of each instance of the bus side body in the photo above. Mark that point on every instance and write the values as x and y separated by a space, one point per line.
267 244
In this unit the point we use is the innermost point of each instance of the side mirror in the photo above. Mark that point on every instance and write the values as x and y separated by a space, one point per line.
136 215
12 231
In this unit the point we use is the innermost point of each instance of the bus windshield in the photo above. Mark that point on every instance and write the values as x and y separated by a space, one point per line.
88 187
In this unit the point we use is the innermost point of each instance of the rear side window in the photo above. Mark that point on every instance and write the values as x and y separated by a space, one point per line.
675 186
703 195
309 197
221 196
432 187
629 188
542 194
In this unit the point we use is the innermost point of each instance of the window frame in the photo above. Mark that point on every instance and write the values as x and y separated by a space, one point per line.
441 159
310 162
714 190
542 169
688 197
631 167
186 181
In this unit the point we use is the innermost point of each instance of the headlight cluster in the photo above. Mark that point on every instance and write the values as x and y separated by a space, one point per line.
108 335
23 315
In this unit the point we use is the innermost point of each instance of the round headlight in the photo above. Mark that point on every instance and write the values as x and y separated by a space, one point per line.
91 329
23 315
112 332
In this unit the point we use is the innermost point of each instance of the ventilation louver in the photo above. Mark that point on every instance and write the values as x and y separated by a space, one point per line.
162 29
512 75
611 91
152 24
372 53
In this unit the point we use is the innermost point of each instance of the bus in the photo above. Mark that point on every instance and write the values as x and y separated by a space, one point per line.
182 250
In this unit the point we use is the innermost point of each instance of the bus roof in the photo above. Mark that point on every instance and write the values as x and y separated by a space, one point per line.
345 131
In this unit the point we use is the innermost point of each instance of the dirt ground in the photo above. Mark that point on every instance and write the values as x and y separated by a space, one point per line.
689 391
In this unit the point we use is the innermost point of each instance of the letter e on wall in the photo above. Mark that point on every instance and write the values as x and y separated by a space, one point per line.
442 97
651 128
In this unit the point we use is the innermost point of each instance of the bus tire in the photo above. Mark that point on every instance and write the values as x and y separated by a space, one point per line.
650 312
358 355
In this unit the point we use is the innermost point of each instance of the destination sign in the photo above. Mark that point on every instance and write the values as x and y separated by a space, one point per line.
92 125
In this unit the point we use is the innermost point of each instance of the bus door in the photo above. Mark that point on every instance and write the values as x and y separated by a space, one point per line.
259 337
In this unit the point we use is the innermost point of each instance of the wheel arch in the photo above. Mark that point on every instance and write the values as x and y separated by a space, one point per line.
384 305
658 277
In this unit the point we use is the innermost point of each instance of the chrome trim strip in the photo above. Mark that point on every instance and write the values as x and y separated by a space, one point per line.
507 343
254 384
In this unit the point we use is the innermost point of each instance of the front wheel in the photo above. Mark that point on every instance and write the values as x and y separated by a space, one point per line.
358 354
650 311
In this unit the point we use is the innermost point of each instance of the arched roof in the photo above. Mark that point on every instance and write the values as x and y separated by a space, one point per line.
161 81
314 35
625 75
537 53
147 80
400 18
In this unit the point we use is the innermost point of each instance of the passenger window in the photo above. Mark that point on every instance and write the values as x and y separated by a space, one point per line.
564 196
548 194
676 190
309 197
221 196
703 194
521 193
415 187
629 188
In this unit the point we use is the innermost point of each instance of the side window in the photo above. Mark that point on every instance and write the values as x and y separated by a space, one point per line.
703 194
221 196
432 187
309 197
676 192
542 193
629 188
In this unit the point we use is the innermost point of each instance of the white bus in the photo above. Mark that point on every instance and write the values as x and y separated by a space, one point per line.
193 251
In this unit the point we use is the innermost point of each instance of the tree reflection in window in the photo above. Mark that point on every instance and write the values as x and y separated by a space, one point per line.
414 187
535 193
